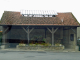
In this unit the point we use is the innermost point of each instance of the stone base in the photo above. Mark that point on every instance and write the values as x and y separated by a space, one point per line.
77 48
3 46
40 47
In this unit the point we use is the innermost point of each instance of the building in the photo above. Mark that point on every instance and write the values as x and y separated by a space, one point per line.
78 34
60 28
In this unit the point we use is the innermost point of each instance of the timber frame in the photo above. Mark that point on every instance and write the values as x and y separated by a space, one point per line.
28 32
52 31
29 29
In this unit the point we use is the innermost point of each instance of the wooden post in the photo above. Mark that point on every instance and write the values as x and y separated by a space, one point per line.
4 35
52 36
28 32
53 31
49 30
28 35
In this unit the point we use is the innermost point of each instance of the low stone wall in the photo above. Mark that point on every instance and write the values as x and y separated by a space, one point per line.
40 47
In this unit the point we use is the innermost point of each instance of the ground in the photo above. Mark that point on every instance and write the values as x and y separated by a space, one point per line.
38 55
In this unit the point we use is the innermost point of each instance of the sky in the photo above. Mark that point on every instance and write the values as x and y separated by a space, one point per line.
56 5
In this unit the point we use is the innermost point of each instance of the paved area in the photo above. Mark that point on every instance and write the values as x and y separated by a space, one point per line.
38 55
14 49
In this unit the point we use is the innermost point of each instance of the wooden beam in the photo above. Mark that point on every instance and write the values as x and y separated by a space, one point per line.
25 30
4 35
31 30
49 29
5 30
28 32
55 30
73 31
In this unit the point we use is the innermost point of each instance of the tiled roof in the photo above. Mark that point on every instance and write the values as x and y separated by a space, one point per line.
15 18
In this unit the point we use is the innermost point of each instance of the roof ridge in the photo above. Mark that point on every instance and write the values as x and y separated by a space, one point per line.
64 12
13 11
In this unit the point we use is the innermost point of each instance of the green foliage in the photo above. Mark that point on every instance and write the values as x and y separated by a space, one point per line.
40 38
42 44
44 39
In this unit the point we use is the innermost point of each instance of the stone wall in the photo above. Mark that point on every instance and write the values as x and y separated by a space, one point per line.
72 44
68 43
41 47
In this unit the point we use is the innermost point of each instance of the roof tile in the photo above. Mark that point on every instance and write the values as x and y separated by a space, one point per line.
15 18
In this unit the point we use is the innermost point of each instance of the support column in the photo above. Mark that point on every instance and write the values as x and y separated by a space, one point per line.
3 46
4 35
52 36
28 32
28 35
53 31
75 38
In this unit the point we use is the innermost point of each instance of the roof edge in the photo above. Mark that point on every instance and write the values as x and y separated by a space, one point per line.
12 11
75 18
64 12
43 25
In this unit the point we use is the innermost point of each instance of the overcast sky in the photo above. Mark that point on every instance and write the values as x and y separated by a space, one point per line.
56 5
